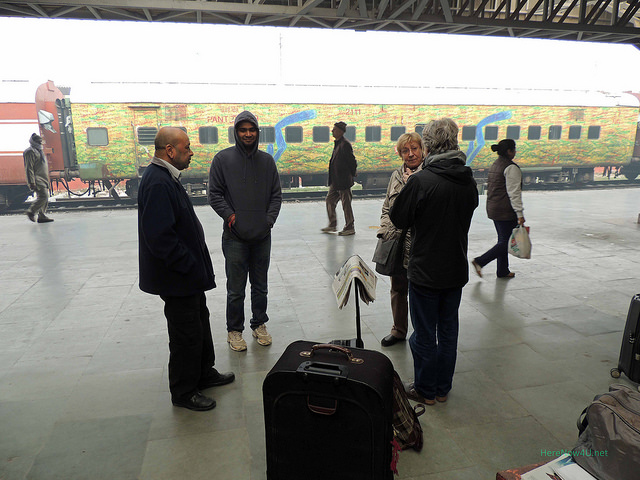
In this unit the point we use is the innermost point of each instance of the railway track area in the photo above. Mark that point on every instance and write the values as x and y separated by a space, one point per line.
109 203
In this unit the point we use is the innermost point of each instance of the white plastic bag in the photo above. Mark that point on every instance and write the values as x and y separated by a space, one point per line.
520 243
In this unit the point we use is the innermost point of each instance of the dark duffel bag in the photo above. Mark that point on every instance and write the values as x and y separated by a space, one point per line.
328 414
609 443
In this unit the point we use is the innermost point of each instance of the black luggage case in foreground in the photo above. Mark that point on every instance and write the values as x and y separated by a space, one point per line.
629 361
328 414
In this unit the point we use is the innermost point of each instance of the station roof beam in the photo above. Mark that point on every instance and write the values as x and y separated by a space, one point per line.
613 21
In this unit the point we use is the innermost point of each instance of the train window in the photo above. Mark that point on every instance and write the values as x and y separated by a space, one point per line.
469 133
208 135
267 135
351 134
321 134
293 134
575 131
97 137
491 133
396 132
372 134
555 132
535 131
593 133
513 132
147 135
419 128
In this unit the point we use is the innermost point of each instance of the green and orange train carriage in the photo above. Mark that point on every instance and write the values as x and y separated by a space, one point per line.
561 136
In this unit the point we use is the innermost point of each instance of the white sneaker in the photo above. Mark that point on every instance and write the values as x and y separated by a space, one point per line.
262 335
236 342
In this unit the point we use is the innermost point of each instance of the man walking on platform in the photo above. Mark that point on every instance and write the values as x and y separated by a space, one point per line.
342 169
175 264
244 190
37 170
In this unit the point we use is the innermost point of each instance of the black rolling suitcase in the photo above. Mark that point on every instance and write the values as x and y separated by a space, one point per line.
328 414
629 361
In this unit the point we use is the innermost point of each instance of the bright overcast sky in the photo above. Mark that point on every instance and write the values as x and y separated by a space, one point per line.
72 52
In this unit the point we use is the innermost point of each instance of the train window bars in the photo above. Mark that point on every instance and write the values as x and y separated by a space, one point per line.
351 134
373 134
555 132
575 132
147 135
468 133
267 135
97 137
293 134
321 134
396 132
513 132
491 132
208 135
535 131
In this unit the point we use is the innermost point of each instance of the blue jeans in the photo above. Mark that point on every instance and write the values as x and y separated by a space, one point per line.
242 259
434 342
499 251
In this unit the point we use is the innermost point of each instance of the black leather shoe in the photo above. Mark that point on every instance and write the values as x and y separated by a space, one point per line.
390 340
43 219
216 379
197 402
31 216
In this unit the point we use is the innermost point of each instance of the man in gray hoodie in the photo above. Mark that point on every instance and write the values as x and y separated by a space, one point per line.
244 190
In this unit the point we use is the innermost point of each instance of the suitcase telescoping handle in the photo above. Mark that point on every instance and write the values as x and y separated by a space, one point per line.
328 346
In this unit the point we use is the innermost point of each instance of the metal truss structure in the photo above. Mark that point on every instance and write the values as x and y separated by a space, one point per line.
608 21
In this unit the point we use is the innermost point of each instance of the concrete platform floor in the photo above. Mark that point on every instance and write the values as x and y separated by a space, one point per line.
83 352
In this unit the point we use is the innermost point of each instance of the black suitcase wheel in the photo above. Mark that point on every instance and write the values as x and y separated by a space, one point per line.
615 373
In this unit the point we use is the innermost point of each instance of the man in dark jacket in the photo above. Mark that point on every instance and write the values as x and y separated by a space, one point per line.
37 170
437 203
175 264
342 169
244 190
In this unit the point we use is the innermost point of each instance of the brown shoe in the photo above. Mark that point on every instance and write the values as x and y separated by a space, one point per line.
477 268
441 399
412 393
328 229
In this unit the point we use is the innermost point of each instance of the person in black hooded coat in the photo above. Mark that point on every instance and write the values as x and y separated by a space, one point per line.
437 203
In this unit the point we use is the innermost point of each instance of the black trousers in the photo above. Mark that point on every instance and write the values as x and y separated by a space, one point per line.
191 354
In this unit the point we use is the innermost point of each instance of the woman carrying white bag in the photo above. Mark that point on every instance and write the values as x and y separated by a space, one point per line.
504 207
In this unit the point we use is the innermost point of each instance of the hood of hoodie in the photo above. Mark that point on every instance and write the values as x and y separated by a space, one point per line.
450 165
246 116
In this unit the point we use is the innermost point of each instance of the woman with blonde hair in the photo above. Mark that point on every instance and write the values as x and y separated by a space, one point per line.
409 148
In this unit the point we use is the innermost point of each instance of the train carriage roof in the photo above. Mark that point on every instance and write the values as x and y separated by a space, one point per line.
143 92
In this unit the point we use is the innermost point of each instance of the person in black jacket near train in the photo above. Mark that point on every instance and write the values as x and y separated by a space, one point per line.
244 190
342 170
437 203
175 264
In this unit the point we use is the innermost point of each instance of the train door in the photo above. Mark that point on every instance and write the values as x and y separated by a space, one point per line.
145 125
65 122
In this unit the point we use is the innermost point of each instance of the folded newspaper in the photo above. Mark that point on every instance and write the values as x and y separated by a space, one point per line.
562 468
354 269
